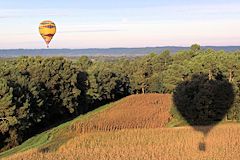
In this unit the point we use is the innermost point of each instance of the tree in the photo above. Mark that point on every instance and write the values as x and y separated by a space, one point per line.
8 116
106 84
84 63
195 47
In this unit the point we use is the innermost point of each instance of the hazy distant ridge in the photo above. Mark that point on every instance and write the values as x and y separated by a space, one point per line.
101 52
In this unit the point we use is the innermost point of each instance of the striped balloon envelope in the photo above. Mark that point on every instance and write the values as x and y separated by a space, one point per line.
47 29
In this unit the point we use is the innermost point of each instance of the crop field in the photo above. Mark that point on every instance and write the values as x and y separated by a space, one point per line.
136 111
133 128
160 143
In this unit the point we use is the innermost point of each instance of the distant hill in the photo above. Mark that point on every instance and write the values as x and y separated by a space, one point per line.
101 52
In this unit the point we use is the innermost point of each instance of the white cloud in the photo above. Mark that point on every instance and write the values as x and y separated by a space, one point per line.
12 13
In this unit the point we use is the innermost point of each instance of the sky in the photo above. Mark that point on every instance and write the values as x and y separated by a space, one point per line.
123 23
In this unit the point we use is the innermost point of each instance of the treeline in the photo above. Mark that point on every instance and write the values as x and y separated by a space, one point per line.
37 92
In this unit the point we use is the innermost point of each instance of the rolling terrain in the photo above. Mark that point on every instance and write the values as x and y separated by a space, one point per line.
132 128
103 51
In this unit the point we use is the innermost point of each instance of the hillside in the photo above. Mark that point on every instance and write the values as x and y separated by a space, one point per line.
132 128
103 51
136 111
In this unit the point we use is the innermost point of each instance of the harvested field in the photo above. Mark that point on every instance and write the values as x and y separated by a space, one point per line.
223 143
136 111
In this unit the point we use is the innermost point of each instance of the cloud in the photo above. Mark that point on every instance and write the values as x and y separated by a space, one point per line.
10 16
14 13
3 17
87 31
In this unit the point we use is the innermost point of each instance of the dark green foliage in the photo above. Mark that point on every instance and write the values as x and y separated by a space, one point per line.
35 93
106 83
84 62
195 47
145 72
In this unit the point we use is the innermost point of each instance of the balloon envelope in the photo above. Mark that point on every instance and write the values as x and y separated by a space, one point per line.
47 29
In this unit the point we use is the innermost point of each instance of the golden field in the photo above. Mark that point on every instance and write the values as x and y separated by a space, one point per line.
135 111
134 128
222 143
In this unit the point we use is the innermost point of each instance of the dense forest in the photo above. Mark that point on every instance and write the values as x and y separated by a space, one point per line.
39 92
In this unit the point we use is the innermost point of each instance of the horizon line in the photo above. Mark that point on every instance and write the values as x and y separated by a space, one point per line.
119 47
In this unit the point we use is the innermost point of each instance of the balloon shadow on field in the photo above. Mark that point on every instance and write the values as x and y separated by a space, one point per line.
204 102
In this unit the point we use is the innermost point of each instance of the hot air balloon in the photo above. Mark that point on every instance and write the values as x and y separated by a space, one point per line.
47 29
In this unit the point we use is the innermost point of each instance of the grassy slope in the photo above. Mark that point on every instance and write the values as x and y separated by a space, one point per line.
51 137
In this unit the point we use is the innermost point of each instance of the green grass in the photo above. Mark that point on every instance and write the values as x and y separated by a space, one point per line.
174 122
179 121
50 138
